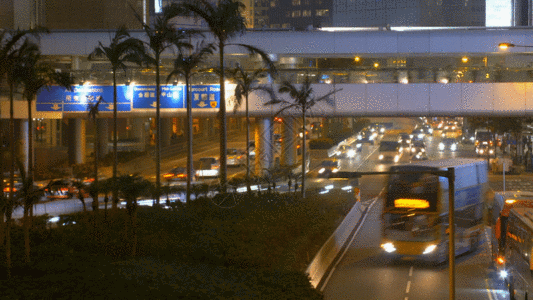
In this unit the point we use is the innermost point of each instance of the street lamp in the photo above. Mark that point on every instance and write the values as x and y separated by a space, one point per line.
505 46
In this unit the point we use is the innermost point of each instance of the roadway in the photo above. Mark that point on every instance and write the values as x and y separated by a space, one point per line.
365 272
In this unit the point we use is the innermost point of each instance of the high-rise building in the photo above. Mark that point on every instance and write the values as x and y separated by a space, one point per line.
300 14
445 13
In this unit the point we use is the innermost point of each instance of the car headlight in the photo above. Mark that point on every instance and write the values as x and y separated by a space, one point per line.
382 130
441 146
396 158
388 247
321 170
453 147
358 145
481 151
350 153
380 156
491 151
359 137
421 136
335 170
413 150
503 274
430 249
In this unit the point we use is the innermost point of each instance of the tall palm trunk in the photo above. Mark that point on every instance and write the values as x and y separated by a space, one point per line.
189 140
114 201
222 116
158 133
303 154
248 188
9 209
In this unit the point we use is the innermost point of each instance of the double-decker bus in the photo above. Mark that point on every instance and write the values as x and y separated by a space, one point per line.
518 267
503 202
415 212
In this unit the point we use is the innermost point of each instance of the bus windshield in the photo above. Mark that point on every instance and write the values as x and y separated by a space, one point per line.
410 227
412 192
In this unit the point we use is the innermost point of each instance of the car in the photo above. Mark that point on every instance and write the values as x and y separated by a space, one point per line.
485 150
327 167
365 137
418 134
389 150
450 144
418 146
419 156
405 146
404 137
345 151
235 157
178 174
207 167
63 189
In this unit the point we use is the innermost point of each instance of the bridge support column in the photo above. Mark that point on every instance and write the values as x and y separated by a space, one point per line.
76 145
288 142
23 142
166 131
102 129
263 148
139 132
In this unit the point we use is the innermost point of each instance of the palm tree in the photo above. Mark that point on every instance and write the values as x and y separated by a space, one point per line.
93 115
123 48
27 48
35 75
225 21
185 65
161 36
303 100
132 187
247 83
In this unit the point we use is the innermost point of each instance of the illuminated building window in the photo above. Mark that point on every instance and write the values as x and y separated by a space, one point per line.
306 13
322 12
296 2
296 14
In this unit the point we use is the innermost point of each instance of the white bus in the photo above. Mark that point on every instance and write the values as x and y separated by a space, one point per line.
415 212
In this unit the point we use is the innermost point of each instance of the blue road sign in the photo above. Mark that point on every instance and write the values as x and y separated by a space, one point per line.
171 96
128 97
59 99
205 96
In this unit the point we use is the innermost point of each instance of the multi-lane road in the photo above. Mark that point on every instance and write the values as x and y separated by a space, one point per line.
365 272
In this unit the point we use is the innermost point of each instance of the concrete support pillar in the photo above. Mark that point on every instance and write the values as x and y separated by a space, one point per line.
102 129
263 148
288 142
77 139
139 132
206 127
23 142
166 131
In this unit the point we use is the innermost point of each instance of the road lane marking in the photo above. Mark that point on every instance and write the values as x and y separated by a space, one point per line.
408 287
411 271
489 292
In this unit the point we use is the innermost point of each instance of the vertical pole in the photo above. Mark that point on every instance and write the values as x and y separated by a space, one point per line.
451 227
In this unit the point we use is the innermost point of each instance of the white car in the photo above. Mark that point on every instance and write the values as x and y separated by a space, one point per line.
208 167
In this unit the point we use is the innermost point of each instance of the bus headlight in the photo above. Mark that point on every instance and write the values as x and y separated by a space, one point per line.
430 249
503 274
388 247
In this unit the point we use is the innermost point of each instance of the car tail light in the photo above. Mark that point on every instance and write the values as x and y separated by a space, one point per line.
168 175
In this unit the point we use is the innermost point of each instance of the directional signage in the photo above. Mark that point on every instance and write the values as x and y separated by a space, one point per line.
58 99
171 96
205 96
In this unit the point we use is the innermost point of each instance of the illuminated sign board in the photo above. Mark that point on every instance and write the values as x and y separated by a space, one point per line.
129 98
498 13
411 203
